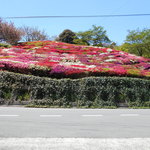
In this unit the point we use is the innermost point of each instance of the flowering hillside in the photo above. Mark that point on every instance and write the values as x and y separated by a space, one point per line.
55 59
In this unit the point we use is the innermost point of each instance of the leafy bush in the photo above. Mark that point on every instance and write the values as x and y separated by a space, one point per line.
5 45
139 104
84 92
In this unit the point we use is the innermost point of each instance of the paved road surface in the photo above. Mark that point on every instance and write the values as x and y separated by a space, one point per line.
68 123
114 126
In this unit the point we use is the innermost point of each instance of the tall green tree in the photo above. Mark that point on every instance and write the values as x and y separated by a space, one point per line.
138 42
67 36
96 36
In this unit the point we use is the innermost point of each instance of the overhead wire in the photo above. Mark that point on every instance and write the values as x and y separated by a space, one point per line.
80 16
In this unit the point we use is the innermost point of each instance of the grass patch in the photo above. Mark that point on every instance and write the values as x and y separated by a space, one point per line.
139 107
82 107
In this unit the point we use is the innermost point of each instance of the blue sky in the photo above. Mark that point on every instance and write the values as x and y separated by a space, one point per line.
116 27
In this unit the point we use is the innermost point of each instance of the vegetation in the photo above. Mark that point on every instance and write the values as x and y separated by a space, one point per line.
4 45
95 37
63 60
86 76
139 104
9 33
90 92
137 42
67 36
33 34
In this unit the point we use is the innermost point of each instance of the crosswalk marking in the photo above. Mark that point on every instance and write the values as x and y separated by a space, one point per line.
9 115
92 115
50 115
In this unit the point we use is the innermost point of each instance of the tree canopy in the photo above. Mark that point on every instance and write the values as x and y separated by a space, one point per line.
9 33
67 36
96 36
33 34
138 42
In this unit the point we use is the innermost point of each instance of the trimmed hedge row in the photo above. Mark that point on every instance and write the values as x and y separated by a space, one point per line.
83 92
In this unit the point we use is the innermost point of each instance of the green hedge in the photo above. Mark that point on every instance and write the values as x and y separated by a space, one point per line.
84 92
5 45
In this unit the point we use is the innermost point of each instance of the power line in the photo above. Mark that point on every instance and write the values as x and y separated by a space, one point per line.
89 16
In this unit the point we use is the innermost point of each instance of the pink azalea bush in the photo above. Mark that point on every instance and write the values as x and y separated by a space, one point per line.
49 58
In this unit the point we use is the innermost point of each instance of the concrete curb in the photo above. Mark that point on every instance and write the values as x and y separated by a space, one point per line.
74 144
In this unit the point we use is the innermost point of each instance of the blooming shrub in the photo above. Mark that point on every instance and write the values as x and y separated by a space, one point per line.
56 59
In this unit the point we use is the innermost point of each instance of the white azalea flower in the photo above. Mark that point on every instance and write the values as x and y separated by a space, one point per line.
111 56
110 60
91 66
109 50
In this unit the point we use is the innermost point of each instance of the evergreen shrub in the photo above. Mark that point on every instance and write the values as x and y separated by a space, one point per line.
90 92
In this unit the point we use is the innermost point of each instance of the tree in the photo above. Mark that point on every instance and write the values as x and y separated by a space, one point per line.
112 45
124 47
80 42
95 36
33 34
67 36
138 42
9 33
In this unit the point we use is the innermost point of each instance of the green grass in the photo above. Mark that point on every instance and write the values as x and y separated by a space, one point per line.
82 107
134 107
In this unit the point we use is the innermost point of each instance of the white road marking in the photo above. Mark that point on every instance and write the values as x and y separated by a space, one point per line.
129 115
75 143
9 115
50 115
92 115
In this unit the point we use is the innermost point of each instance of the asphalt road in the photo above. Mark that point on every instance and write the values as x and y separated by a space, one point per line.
19 122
